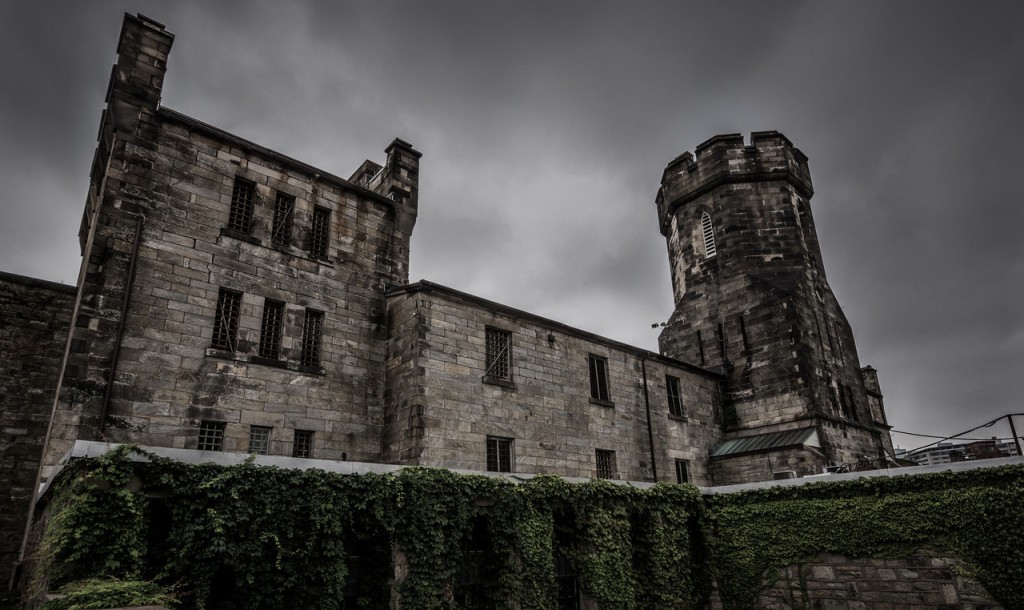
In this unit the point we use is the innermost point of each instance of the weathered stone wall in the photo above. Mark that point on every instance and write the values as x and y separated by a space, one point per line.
33 333
757 305
158 231
921 581
764 466
545 407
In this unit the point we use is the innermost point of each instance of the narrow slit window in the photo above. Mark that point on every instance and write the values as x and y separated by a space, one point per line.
605 464
243 198
225 324
598 377
312 331
284 212
259 440
721 340
270 329
211 436
743 332
682 471
700 347
675 401
302 447
499 454
499 358
320 235
708 231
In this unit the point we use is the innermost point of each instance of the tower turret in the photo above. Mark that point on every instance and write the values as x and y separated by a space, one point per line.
752 301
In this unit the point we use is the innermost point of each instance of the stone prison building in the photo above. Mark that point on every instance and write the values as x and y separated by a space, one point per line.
234 299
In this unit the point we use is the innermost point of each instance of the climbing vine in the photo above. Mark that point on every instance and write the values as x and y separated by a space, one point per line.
248 536
975 515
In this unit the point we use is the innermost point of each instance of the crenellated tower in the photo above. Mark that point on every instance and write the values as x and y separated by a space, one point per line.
752 301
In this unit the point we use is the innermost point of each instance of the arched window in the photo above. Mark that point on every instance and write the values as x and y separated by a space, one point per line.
709 235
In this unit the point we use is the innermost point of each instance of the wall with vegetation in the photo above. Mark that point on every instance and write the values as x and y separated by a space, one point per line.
258 537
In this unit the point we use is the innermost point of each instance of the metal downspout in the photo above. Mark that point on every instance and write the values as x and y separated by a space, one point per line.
121 323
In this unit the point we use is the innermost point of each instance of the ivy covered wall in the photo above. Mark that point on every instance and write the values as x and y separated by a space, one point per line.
257 537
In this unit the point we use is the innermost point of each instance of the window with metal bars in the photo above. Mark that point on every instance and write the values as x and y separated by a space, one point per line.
682 471
675 400
320 234
499 354
708 231
211 436
499 454
225 322
312 329
259 440
270 329
598 377
302 446
284 212
243 197
605 464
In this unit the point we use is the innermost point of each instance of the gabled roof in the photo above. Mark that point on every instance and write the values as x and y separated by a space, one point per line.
768 441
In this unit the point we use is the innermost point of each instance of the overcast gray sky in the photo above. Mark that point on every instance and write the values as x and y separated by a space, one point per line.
545 127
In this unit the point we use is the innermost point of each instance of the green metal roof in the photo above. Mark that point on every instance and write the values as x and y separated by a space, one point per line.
764 442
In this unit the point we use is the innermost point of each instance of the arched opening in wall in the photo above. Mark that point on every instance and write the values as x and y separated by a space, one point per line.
708 232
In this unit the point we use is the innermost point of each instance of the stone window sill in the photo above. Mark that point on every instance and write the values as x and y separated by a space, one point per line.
233 234
278 364
505 383
603 403
282 248
681 418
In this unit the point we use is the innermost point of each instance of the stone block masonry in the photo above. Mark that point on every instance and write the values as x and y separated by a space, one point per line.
227 286
445 403
33 334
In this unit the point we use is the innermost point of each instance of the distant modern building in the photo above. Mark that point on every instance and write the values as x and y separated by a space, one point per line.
946 452
232 298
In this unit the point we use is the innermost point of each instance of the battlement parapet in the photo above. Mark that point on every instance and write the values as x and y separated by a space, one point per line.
726 159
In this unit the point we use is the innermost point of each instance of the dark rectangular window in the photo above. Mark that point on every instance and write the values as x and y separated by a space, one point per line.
320 234
675 400
243 197
499 454
303 445
682 471
225 324
700 346
605 464
312 329
499 357
284 211
270 329
743 332
598 377
211 436
259 440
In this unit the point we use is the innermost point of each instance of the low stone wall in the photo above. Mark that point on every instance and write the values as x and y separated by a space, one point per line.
837 582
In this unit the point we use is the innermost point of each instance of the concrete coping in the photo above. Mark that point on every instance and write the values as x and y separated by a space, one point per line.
87 449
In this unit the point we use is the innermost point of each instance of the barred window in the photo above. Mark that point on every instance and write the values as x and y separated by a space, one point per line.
682 471
320 235
709 235
605 464
284 211
242 199
259 440
499 357
499 454
225 323
598 377
675 402
211 436
312 329
270 329
302 447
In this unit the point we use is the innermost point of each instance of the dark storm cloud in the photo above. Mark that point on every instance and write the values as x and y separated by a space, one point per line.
545 127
